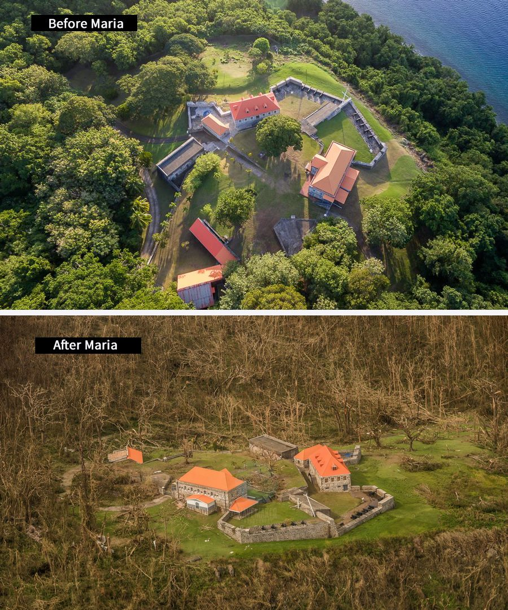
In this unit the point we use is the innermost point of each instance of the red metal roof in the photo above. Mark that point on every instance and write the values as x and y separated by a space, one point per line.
252 106
212 242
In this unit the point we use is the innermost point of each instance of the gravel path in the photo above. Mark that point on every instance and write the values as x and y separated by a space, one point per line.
149 246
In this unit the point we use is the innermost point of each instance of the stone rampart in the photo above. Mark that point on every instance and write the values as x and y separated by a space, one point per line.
325 528
274 533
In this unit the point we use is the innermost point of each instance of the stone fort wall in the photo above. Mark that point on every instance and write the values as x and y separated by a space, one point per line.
325 528
277 533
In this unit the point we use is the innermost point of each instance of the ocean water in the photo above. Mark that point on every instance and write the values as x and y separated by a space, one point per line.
468 35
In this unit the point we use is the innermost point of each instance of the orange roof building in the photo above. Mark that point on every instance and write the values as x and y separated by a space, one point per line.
249 111
199 287
216 126
330 177
220 485
325 467
243 507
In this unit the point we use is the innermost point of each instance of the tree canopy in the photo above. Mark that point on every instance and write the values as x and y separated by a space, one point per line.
275 134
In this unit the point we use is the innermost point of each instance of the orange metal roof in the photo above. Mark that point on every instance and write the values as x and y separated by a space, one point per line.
210 240
341 195
215 124
201 498
135 455
350 179
319 161
325 460
306 453
329 177
242 504
206 477
200 276
264 102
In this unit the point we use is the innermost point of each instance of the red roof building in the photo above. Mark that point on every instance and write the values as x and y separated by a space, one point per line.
249 111
212 241
198 287
326 468
331 178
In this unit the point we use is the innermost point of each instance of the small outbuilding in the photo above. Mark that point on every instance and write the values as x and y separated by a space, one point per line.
199 287
126 454
201 504
243 507
215 126
272 447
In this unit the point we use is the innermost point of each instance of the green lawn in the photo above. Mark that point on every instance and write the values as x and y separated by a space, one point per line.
288 470
277 4
273 512
297 107
340 503
165 124
159 151
236 79
342 130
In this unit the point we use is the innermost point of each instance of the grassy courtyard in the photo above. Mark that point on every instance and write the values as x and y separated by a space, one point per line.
297 107
273 512
342 130
278 196
340 503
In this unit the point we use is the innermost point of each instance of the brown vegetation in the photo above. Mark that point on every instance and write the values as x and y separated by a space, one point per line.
214 382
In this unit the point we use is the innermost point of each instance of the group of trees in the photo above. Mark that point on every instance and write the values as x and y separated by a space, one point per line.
163 84
72 210
261 55
275 134
325 274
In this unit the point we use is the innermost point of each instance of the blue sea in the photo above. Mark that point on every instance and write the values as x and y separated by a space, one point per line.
468 35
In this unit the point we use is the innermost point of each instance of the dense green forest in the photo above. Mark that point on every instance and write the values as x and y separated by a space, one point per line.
342 380
71 209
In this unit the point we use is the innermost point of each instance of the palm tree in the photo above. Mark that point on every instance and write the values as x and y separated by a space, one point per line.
141 216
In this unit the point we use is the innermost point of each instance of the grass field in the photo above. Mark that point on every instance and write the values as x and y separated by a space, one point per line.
273 512
159 151
340 503
342 130
297 107
163 125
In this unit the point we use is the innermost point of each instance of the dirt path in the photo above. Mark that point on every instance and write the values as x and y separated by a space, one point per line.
68 476
149 246
149 504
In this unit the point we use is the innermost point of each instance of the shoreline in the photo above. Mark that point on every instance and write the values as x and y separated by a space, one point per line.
424 49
